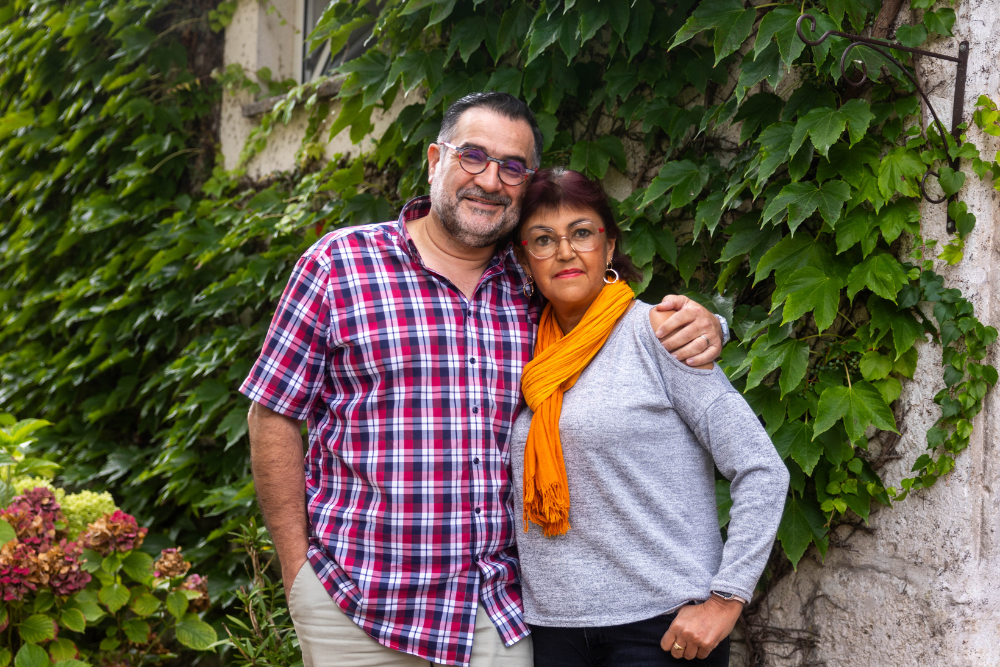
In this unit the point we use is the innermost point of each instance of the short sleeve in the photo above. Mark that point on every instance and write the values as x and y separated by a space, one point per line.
290 371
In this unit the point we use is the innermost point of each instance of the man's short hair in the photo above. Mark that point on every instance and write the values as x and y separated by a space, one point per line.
503 104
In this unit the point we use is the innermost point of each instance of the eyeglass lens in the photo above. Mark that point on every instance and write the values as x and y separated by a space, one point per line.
475 161
584 237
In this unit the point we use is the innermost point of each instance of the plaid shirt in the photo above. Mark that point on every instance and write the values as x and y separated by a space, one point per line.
409 390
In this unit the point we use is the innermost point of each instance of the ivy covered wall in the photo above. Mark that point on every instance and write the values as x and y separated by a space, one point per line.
137 276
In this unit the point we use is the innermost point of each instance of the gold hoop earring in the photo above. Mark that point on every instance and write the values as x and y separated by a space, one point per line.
607 271
529 287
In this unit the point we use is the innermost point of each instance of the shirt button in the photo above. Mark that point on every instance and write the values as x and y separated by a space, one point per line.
472 360
478 510
476 460
475 411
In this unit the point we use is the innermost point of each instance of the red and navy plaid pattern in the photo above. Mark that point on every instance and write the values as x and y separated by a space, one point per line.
409 390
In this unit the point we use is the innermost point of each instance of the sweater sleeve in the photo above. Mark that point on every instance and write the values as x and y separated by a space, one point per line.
745 455
728 429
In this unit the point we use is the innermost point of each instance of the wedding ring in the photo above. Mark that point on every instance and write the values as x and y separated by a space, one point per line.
706 340
678 648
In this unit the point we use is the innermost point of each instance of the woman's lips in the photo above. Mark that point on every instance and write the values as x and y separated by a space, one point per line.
569 273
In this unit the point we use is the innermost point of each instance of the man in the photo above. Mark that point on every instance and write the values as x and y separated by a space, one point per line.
402 345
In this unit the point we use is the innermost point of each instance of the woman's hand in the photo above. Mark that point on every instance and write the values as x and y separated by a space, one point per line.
699 628
692 334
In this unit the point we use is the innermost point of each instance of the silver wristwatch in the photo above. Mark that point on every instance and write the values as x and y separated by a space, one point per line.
728 596
725 329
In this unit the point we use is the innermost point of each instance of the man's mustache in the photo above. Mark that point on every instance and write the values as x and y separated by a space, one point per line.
479 193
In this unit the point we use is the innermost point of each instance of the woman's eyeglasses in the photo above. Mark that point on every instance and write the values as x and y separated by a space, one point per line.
474 161
543 243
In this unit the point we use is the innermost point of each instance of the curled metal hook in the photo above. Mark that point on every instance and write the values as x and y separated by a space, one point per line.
880 46
843 67
923 190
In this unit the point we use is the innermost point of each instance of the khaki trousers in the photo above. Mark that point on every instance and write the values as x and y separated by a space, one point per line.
329 638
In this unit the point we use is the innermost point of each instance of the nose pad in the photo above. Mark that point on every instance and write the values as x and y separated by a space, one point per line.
489 178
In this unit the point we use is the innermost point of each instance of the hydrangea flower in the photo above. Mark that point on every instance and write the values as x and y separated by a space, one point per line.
62 565
114 532
22 484
84 508
198 583
17 562
34 515
170 564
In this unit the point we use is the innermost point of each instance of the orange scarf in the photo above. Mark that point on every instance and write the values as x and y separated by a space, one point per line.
559 360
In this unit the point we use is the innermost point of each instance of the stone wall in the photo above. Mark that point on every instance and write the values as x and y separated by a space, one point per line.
918 585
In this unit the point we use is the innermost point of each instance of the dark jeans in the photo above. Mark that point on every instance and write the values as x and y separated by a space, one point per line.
630 645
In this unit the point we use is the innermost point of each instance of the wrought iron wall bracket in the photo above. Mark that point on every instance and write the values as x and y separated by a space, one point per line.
880 46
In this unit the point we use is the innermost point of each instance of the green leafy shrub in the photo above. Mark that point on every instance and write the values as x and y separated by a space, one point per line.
91 597
262 634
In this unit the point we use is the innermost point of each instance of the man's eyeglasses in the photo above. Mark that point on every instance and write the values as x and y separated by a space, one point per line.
475 161
543 243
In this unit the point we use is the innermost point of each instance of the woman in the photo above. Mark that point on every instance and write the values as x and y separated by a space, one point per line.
634 571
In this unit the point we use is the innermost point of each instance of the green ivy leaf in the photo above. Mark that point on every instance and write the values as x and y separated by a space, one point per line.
731 21
774 142
857 227
596 156
881 273
802 523
708 213
875 366
796 440
898 165
766 65
723 501
810 289
859 405
823 126
514 26
793 358
802 199
685 177
856 11
544 32
760 110
859 117
940 21
902 215
638 27
467 35
195 633
780 24
911 35
951 181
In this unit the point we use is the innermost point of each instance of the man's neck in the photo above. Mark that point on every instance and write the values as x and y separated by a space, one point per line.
444 254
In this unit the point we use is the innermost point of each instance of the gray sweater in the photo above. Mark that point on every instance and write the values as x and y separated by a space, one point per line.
641 435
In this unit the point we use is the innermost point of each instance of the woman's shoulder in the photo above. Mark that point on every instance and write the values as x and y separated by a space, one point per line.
656 318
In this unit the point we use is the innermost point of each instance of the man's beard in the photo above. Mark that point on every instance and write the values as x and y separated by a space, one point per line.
464 228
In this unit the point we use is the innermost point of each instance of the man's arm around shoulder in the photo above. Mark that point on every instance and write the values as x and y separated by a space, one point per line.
280 482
